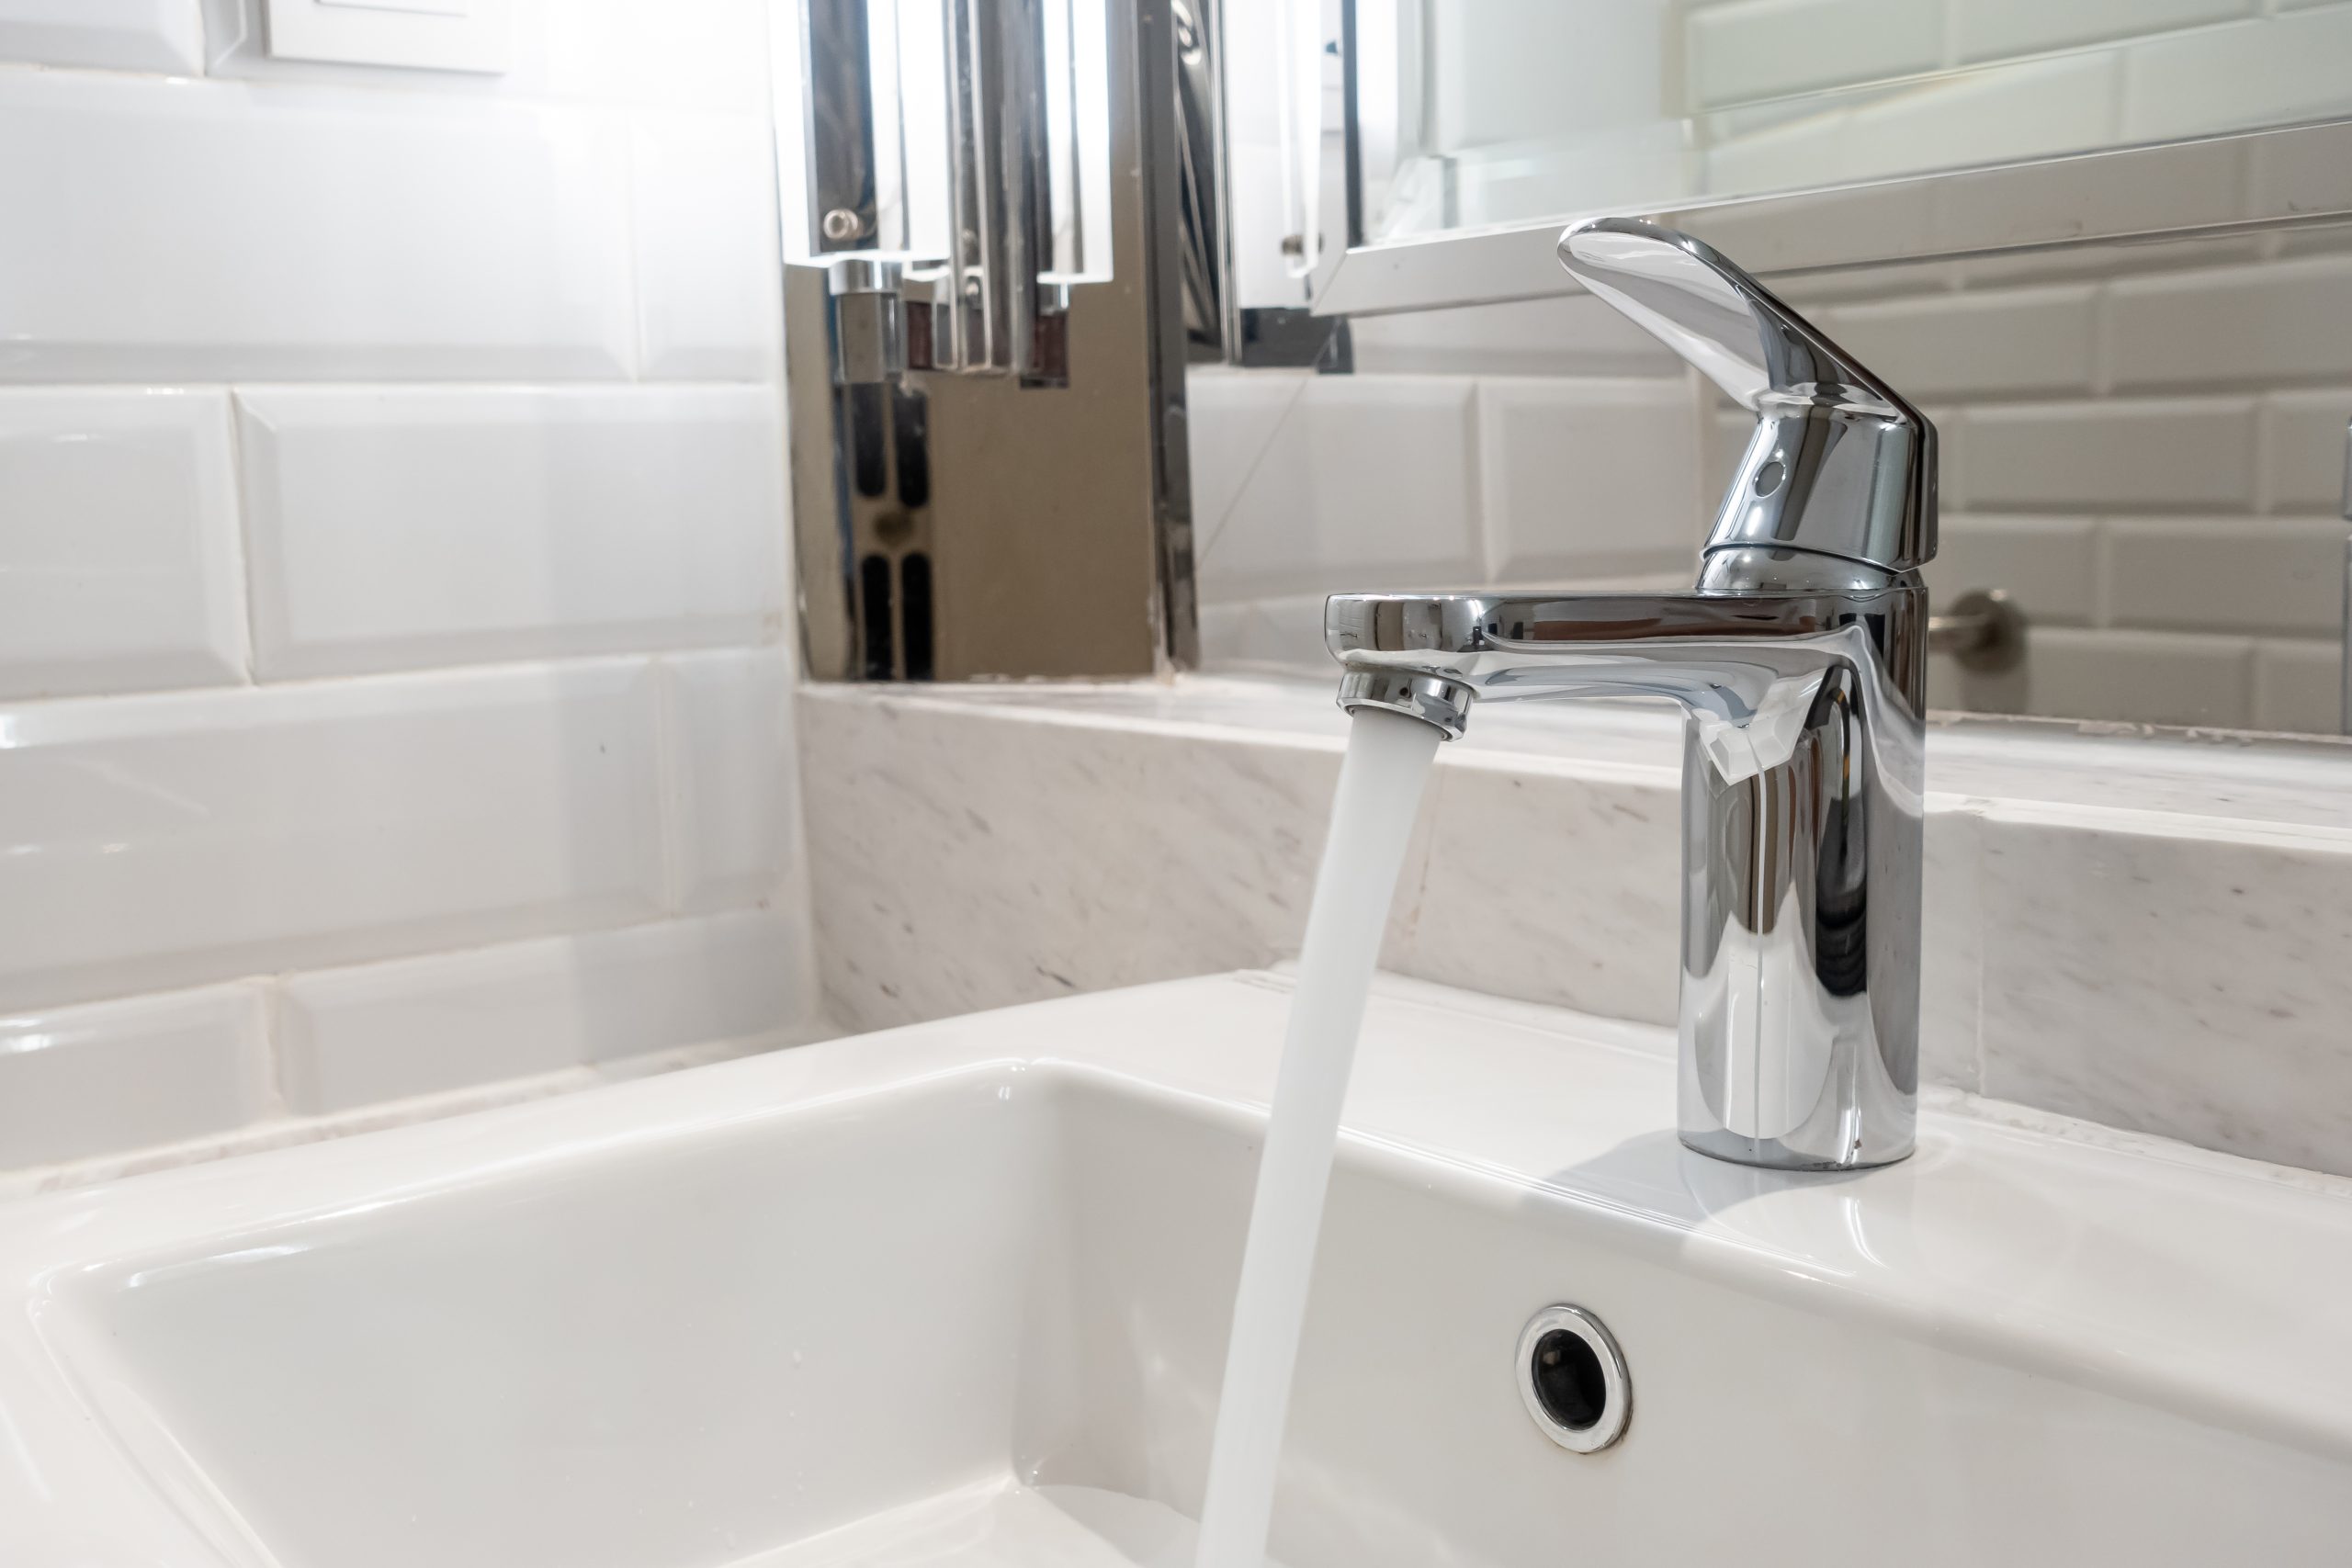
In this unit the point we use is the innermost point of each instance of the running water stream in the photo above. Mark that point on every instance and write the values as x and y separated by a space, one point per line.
1372 820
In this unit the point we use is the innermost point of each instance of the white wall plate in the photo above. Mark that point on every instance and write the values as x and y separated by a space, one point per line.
429 34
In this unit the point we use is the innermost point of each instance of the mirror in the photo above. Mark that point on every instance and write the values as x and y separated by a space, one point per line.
2137 351
1483 112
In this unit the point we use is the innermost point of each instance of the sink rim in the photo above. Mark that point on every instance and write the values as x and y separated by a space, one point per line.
1495 1103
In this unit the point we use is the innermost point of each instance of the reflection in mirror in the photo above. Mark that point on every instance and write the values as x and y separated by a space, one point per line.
2144 449
1468 114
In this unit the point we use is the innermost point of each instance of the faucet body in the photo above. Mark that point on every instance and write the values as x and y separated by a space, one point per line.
1799 660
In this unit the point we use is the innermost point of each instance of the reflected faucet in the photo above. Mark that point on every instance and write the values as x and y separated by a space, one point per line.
1800 661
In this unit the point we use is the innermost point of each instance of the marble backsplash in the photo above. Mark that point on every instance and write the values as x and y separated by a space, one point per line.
2154 935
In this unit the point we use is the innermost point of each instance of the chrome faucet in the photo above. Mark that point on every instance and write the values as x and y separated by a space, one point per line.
1800 661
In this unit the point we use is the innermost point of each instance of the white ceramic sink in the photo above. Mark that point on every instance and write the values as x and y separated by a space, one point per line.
957 1295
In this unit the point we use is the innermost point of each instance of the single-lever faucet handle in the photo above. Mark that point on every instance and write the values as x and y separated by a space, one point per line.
1840 465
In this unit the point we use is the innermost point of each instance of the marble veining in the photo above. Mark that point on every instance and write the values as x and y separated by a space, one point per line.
2150 935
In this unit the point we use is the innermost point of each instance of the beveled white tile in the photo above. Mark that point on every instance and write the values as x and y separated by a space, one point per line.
1988 29
2049 565
705 55
118 555
79 1081
2298 686
2025 109
2262 323
153 842
1764 49
705 203
2306 450
1282 636
1574 334
305 233
2009 340
2253 574
124 35
1369 481
2138 677
1230 419
355 1036
731 782
2274 70
2166 454
1588 477
393 528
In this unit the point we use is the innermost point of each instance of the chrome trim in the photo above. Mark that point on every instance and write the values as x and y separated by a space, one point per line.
1933 217
1616 1383
1984 629
1432 699
1801 667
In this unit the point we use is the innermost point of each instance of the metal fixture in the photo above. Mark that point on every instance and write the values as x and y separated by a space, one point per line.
984 340
1984 629
1572 1378
1800 660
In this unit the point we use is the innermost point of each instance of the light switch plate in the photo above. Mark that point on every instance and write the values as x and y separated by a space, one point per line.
421 35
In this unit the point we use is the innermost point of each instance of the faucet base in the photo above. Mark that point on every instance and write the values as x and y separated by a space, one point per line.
1770 1154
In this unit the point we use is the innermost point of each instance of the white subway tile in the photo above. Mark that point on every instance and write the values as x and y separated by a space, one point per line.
153 842
2274 70
2137 677
79 1081
2011 340
125 35
2299 174
731 783
1588 477
393 528
2226 573
377 1031
1770 48
1230 419
2305 450
2298 686
2271 321
710 299
1989 30
306 233
2186 454
2049 565
2031 110
118 567
1279 635
1571 335
1368 483
2062 105
706 55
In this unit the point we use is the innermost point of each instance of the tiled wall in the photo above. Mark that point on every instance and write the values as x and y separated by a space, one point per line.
1983 81
2144 445
393 691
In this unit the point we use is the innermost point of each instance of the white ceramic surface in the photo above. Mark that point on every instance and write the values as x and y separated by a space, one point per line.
119 567
958 1295
395 528
314 233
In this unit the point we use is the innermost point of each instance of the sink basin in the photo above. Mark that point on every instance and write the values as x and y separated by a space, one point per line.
957 1294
